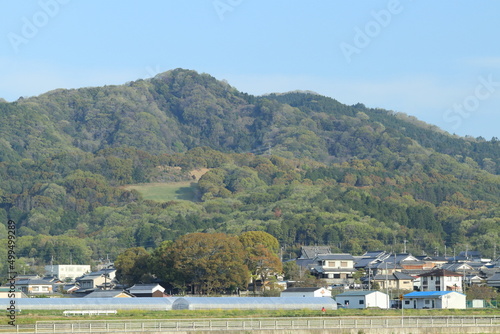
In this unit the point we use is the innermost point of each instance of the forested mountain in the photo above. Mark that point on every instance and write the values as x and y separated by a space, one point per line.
300 166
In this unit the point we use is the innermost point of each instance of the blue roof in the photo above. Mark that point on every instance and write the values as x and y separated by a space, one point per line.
423 294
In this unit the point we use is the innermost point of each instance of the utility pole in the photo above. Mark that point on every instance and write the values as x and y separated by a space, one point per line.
405 241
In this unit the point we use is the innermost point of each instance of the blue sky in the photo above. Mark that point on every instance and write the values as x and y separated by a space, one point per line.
436 60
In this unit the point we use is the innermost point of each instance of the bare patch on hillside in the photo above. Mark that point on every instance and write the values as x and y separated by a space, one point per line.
197 173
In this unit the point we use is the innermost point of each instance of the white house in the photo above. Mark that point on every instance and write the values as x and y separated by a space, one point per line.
306 292
441 280
334 268
64 271
363 299
434 300
32 286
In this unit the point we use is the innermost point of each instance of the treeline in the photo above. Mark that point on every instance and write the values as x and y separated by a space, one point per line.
354 206
204 263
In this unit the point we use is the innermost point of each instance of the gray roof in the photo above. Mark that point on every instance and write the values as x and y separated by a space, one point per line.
252 303
374 254
356 293
456 266
397 276
106 294
33 282
144 286
362 263
342 256
495 277
321 269
309 252
440 273
301 289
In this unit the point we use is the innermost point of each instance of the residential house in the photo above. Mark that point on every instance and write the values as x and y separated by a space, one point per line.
434 300
441 280
494 280
91 282
5 292
308 253
363 299
396 280
458 267
394 262
306 292
334 268
431 262
370 258
35 286
66 271
473 280
147 290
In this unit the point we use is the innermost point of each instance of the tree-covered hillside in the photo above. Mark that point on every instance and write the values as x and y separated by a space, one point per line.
302 167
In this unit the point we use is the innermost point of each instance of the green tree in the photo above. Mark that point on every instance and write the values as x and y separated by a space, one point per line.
209 262
132 266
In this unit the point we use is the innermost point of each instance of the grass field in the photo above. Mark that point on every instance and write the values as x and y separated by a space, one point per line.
164 192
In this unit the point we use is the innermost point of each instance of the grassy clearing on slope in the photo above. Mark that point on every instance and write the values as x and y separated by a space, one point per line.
164 192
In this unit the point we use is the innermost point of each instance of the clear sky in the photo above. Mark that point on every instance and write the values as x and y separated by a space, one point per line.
436 60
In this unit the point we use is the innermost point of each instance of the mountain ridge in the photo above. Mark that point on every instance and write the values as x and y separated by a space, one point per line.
303 167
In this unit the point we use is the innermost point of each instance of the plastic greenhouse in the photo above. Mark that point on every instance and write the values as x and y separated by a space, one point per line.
251 303
143 303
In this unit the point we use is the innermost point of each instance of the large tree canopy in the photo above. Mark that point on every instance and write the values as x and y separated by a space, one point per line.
209 262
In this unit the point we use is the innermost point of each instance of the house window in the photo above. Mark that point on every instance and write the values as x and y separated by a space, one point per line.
407 302
427 302
336 275
343 264
361 302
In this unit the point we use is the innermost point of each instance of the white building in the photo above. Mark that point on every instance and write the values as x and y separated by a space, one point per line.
64 271
434 300
441 280
306 292
334 268
363 299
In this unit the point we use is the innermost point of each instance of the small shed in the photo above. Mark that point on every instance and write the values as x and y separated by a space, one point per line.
435 300
306 292
363 299
147 290
252 303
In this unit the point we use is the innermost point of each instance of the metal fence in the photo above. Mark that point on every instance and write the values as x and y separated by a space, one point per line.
124 326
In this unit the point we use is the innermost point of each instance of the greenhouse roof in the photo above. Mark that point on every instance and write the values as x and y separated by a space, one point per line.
148 303
198 303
